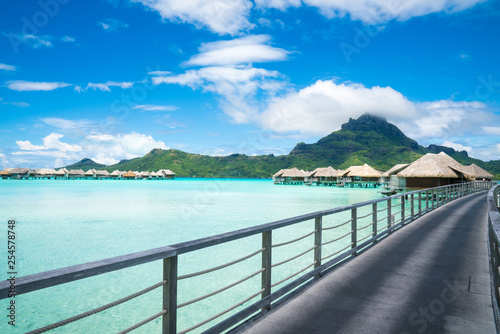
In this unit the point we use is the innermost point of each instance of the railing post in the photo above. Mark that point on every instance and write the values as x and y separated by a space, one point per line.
169 325
266 264
389 218
403 202
318 225
354 229
412 206
419 203
374 220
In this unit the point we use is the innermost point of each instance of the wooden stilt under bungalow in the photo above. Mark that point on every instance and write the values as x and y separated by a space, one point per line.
434 170
362 176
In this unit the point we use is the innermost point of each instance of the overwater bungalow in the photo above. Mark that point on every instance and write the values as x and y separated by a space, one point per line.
101 174
294 176
115 174
5 174
144 175
20 173
90 174
76 174
391 179
277 177
62 173
45 173
130 175
362 176
166 173
434 170
325 176
481 174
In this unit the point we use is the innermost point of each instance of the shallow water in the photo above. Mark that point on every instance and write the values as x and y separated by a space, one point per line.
67 222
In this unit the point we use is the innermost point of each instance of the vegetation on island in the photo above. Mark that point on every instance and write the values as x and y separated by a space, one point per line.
368 139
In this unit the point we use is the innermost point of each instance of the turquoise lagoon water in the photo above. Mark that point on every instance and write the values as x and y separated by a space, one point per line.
61 223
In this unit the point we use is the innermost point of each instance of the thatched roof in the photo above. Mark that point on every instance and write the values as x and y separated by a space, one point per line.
90 172
116 172
278 174
361 171
481 173
436 165
76 172
6 171
394 170
129 174
18 170
294 172
60 172
101 173
145 174
47 171
166 172
325 172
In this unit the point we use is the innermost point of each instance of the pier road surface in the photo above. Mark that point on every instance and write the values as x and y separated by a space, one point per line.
431 276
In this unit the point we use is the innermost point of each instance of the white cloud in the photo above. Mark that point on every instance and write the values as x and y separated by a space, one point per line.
152 107
238 87
278 4
375 11
444 118
110 149
68 39
220 16
17 104
105 86
322 107
21 85
111 24
456 146
50 142
6 67
249 49
66 124
492 130
4 162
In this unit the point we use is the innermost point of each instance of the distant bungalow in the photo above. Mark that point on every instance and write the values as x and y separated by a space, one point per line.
481 174
63 173
325 176
362 175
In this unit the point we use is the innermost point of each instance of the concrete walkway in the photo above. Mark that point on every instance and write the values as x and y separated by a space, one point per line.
431 276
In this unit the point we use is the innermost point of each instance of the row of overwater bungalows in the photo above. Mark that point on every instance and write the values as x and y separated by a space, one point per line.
431 170
63 173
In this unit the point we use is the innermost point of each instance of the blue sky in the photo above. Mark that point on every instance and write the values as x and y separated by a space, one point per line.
111 80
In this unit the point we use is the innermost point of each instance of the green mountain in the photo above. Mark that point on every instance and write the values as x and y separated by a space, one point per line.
85 164
368 139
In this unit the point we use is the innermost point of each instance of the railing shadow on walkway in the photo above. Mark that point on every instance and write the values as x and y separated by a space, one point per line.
384 217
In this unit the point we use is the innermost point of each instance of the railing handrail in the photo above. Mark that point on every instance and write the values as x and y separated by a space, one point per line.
434 197
64 275
494 242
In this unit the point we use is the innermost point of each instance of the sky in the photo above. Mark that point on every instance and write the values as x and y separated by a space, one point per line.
113 79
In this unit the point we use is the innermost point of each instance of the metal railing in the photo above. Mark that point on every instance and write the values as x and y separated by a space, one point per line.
494 241
332 236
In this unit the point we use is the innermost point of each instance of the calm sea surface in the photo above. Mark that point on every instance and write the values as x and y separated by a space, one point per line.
61 223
